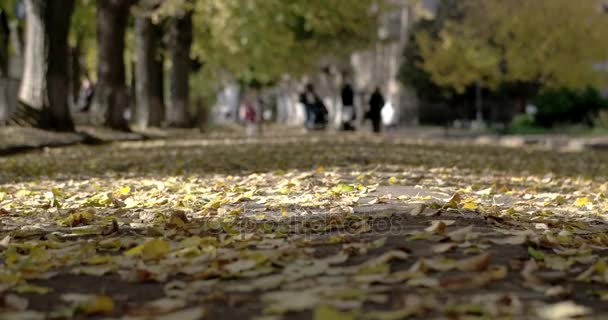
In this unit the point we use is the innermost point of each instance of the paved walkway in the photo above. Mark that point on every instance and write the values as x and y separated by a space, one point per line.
349 226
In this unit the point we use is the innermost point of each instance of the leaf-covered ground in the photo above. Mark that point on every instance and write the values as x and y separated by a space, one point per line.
318 226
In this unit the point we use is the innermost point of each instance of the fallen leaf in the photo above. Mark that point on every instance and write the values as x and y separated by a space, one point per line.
563 310
460 235
477 263
155 249
443 247
240 266
437 227
513 241
582 202
324 312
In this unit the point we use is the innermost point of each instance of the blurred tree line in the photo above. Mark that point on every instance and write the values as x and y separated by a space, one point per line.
132 50
511 53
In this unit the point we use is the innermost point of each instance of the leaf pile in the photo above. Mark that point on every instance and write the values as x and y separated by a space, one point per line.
338 228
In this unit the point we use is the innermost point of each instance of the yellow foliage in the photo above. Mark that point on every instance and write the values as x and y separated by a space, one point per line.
554 42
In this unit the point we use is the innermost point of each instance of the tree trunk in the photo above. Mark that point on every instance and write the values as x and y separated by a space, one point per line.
44 91
111 94
74 72
149 85
4 76
157 110
179 74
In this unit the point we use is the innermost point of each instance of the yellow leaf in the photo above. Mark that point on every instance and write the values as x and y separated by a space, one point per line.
22 193
125 190
581 202
76 219
324 312
112 244
9 278
470 206
30 288
100 305
99 259
137 250
498 272
393 180
155 249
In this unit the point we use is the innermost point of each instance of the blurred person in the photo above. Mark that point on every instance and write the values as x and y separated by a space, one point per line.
389 116
248 116
316 112
85 97
348 107
376 103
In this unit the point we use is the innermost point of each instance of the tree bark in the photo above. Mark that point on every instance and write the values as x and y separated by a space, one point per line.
44 91
158 110
111 94
149 85
4 76
180 33
74 73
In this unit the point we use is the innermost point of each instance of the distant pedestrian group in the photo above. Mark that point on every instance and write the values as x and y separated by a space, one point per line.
317 115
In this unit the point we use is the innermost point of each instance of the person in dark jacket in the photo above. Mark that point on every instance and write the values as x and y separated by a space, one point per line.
316 112
348 107
376 103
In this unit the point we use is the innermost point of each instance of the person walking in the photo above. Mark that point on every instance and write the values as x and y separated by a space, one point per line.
316 112
376 103
248 115
348 107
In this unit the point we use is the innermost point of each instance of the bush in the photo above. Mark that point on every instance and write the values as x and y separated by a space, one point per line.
524 124
565 106
522 120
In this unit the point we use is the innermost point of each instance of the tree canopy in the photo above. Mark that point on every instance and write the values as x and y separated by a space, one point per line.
258 39
555 43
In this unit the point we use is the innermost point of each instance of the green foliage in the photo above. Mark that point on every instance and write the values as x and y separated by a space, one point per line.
9 7
261 40
524 124
565 106
522 120
412 74
83 32
439 101
551 42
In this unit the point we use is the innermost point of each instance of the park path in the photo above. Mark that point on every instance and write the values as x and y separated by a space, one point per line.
350 227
